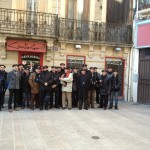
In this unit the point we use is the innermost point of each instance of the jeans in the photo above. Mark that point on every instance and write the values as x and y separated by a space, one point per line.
114 94
13 93
104 101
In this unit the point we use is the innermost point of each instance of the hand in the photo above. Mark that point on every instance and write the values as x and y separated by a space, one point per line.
53 86
60 78
100 81
45 83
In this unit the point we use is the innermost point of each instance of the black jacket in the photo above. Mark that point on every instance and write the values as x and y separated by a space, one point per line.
94 81
55 78
25 86
75 82
2 84
45 76
105 85
115 83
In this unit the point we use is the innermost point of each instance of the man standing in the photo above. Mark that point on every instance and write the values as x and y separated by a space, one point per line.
35 87
13 80
83 86
55 87
75 87
26 87
92 87
4 74
97 85
45 81
66 81
2 85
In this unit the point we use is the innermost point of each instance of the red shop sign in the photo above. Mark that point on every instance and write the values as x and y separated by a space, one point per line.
26 46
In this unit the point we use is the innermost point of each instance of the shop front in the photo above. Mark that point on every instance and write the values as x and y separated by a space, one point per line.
29 52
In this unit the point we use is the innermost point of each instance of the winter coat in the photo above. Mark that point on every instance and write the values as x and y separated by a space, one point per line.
68 86
75 81
25 82
55 77
94 81
115 83
105 85
83 85
2 84
35 86
45 76
13 79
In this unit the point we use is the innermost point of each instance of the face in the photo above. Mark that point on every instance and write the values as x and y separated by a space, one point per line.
115 73
2 68
62 66
26 71
45 69
95 70
58 69
104 73
75 70
66 70
85 67
110 69
83 72
37 70
92 70
15 68
20 67
53 69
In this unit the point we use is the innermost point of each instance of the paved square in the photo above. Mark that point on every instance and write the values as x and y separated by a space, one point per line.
126 129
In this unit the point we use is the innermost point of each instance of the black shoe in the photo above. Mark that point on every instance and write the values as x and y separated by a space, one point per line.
93 107
63 108
69 108
100 106
41 108
105 108
23 107
86 108
2 106
110 108
80 108
0 110
116 107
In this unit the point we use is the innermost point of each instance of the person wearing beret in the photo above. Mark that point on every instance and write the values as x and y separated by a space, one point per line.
4 74
75 87
35 87
92 88
105 87
66 80
83 87
25 87
45 81
55 87
13 81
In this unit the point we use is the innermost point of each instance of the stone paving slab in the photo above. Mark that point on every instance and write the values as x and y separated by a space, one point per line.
126 129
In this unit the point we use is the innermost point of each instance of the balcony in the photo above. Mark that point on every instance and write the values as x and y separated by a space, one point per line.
28 22
144 4
49 25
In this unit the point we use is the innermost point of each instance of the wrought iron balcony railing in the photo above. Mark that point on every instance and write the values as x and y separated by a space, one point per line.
95 32
49 25
28 22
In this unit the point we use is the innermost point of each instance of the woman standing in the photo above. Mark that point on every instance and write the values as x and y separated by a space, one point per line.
115 88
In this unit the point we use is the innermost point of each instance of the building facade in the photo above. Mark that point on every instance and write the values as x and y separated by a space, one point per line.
49 32
140 54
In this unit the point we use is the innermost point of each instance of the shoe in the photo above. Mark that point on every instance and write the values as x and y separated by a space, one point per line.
99 106
110 108
10 110
0 110
16 109
86 108
116 107
80 108
41 108
46 108
105 108
93 107
69 108
2 106
63 108
23 107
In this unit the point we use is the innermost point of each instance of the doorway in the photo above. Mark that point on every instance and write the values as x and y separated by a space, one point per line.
117 64
30 59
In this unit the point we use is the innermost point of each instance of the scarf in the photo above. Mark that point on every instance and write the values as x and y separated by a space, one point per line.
66 75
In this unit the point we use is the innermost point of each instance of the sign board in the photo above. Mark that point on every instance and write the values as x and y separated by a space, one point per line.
142 35
26 46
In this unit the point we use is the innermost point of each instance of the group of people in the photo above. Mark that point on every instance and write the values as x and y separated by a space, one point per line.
61 87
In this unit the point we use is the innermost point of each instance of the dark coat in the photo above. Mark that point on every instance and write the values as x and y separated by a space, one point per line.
55 77
83 85
115 83
13 79
35 86
45 76
94 81
105 85
2 84
25 82
75 82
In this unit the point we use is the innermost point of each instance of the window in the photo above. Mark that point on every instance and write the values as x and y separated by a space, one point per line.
77 61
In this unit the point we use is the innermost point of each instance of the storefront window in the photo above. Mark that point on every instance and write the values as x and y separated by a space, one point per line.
75 61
